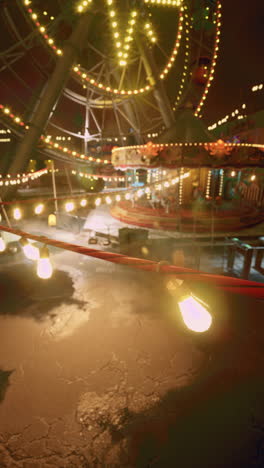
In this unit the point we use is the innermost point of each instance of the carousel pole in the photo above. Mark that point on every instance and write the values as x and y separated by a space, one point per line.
50 96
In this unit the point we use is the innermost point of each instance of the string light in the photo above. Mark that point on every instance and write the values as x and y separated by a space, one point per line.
214 61
17 214
44 266
82 6
194 312
22 178
98 176
174 3
83 203
227 117
257 87
30 251
208 185
195 316
39 209
186 59
69 207
222 174
2 244
100 85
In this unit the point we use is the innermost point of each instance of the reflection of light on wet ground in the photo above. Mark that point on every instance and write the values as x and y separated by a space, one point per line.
69 317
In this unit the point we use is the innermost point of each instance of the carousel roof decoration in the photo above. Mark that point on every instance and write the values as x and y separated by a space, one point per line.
188 144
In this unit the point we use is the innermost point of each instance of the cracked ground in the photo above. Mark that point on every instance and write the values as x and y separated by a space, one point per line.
97 370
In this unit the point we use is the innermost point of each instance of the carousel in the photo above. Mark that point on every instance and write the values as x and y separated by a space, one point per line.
190 183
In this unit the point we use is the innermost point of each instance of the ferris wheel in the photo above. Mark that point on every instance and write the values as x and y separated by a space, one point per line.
134 65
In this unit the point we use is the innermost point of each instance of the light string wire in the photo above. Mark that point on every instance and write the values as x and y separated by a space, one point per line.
225 283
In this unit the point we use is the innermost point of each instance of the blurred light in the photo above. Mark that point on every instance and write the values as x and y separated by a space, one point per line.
39 209
69 207
83 202
2 244
17 214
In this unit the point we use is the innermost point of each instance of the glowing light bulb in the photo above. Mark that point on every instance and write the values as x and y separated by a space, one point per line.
17 214
253 177
39 209
108 200
83 203
2 245
98 202
233 173
44 266
69 207
195 316
31 252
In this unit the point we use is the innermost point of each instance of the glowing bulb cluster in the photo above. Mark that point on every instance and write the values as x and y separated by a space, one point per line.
257 87
22 178
174 3
221 184
73 153
208 185
214 60
236 113
149 32
82 6
98 84
186 58
122 45
98 176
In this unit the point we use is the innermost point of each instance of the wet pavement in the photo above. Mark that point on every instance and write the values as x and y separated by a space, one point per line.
97 370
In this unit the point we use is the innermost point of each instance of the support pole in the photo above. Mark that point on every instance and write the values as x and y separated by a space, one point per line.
50 95
54 186
68 179
5 214
159 90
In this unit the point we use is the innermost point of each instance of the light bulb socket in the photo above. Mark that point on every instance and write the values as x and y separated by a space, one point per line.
44 252
23 242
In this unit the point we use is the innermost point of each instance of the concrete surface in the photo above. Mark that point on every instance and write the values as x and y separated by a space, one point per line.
97 370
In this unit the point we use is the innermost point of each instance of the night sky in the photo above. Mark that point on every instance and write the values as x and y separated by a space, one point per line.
241 63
